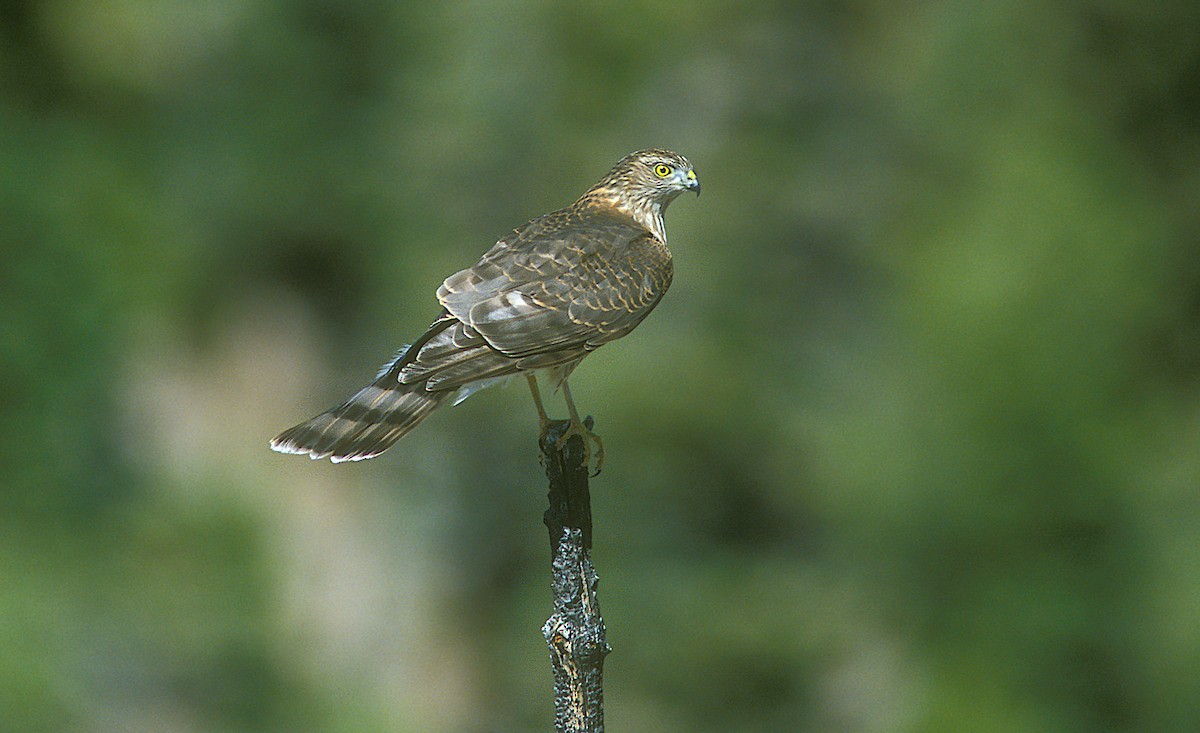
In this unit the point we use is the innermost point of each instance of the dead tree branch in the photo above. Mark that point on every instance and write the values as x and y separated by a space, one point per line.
575 632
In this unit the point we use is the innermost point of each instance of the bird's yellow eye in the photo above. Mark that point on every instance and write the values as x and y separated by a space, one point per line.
662 170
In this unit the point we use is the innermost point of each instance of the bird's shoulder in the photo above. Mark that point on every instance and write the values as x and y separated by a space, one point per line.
576 277
548 249
576 231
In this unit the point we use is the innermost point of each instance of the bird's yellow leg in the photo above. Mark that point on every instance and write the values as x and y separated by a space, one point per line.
578 428
537 400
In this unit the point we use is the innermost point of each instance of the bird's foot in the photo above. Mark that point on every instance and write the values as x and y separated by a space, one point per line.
552 435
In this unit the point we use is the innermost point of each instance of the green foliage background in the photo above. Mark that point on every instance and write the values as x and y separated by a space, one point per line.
912 444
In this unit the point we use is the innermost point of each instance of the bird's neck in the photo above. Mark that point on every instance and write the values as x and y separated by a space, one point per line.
645 212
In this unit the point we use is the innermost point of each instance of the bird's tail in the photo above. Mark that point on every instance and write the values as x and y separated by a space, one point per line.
365 425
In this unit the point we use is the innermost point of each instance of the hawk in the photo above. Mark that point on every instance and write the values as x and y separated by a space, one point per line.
541 299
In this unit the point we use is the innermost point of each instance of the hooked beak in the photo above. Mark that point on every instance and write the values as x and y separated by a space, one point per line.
691 182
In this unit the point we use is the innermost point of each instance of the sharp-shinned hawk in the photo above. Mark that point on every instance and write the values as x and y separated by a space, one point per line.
541 299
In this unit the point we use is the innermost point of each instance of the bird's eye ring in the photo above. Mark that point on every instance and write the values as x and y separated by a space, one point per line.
662 170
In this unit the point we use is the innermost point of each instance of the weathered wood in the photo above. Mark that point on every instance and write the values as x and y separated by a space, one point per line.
575 631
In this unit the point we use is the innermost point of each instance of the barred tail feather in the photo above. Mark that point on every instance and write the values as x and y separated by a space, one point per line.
365 425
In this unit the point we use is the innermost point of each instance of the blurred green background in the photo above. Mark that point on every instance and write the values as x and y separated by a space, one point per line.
912 444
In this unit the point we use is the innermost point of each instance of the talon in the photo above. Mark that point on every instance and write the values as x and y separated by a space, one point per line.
583 430
575 426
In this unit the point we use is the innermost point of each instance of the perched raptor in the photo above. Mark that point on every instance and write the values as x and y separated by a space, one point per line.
541 299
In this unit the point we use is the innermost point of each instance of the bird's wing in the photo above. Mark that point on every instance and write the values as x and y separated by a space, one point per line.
450 355
561 287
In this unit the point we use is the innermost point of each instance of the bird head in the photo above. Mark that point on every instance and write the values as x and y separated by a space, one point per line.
655 174
641 185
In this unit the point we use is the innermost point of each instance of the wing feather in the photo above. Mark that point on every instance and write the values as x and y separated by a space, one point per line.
558 288
575 285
